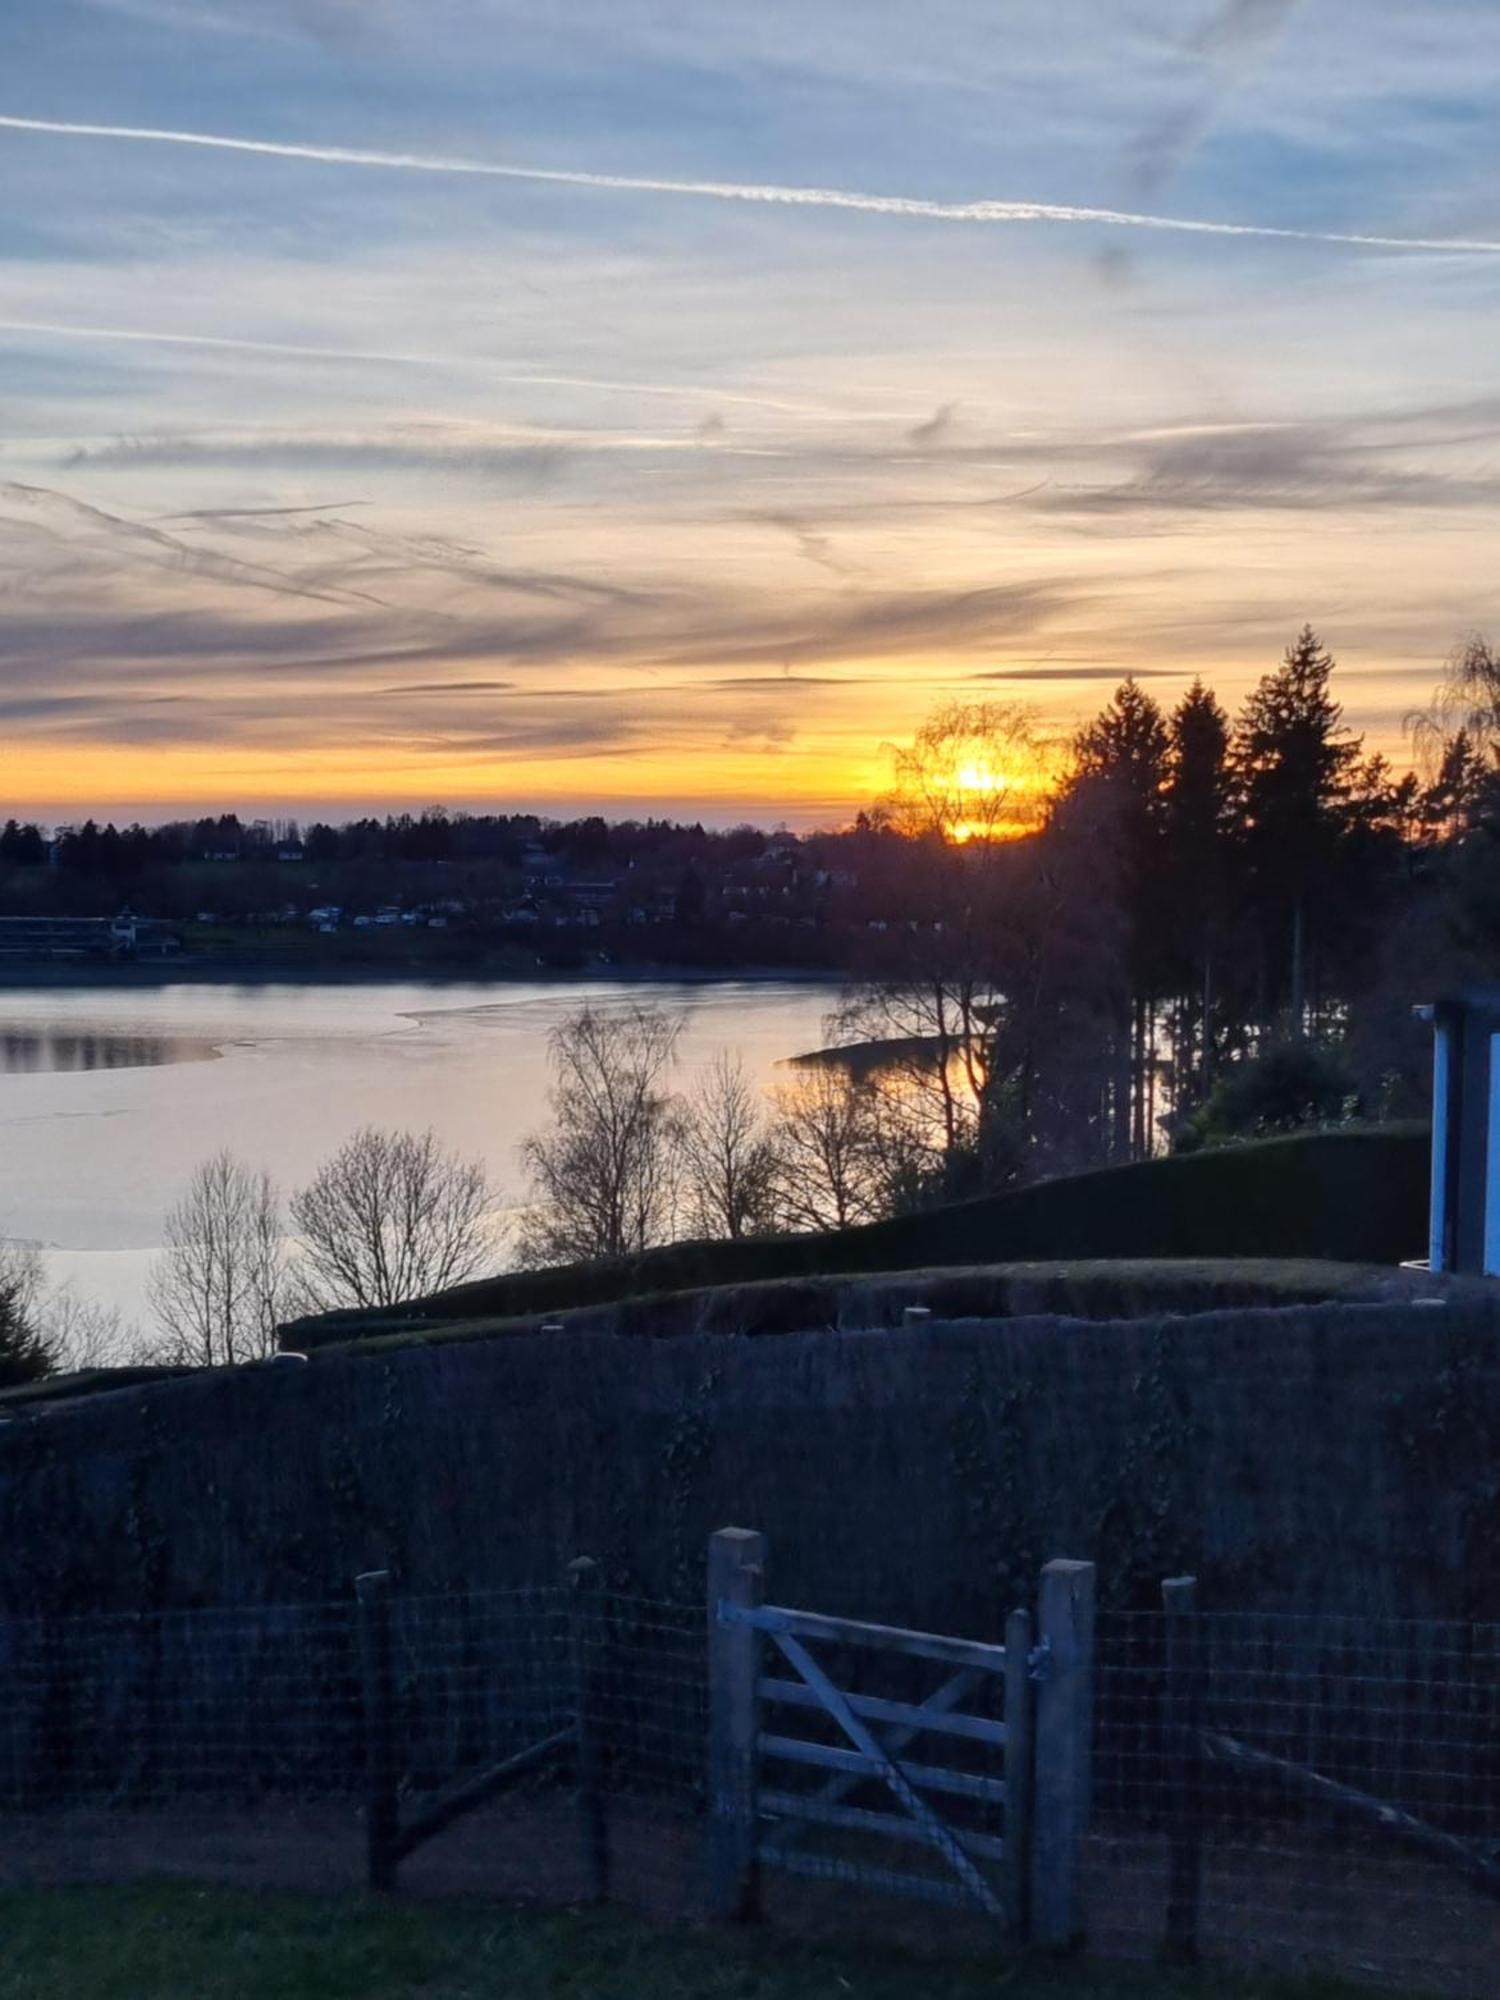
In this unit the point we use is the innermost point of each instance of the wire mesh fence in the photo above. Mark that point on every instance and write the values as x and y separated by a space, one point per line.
1300 1791
1308 1792
236 1745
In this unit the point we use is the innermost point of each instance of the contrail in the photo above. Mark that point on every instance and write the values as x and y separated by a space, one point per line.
382 357
768 194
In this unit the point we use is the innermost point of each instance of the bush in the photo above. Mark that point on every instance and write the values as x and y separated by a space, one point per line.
25 1352
1289 1085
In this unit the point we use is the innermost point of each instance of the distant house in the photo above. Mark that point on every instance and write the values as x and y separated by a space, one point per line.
122 936
593 895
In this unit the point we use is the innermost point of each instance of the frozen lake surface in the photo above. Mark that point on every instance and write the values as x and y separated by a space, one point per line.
109 1097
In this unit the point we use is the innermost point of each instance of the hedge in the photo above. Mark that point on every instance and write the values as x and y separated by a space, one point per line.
1357 1195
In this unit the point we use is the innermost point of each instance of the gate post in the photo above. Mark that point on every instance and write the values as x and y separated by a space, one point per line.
377 1673
736 1574
1064 1752
1019 1704
1179 1596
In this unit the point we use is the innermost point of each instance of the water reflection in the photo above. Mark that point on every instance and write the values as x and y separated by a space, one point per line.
25 1051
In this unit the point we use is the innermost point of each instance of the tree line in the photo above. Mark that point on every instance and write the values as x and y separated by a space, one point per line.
1177 927
434 835
1204 924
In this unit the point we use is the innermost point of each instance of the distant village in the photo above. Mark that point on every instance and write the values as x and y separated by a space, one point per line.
441 888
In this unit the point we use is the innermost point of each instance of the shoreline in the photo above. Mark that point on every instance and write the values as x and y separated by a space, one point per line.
125 976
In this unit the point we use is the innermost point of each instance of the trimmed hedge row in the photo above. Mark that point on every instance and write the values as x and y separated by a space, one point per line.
1354 1196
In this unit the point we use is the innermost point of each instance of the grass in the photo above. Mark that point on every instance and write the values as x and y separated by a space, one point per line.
184 1943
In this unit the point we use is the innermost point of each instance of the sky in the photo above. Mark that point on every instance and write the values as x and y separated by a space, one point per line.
642 407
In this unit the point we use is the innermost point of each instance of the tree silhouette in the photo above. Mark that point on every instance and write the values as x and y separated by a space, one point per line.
1198 829
1294 761
1123 753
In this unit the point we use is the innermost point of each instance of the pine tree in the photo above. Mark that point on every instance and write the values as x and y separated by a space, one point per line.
1196 837
25 1354
1124 751
1449 803
1127 745
1294 761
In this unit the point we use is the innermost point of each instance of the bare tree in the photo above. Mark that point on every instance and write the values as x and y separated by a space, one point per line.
729 1157
390 1217
86 1333
828 1145
217 1286
974 772
975 777
605 1174
1465 704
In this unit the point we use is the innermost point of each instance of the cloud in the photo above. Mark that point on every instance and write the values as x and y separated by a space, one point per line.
1241 25
1097 673
519 454
764 194
132 614
1358 463
225 514
811 543
156 547
384 357
937 430
423 690
771 738
1224 49
890 624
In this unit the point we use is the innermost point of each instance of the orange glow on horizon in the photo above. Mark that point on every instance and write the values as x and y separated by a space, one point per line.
78 781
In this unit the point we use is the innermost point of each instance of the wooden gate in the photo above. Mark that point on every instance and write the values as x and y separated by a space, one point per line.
967 1795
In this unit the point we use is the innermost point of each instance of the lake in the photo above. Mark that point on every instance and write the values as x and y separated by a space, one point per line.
109 1097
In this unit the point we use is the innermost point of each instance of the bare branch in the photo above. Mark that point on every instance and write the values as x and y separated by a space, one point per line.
390 1217
605 1175
218 1286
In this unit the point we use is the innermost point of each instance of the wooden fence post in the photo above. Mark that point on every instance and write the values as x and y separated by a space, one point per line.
1184 1723
736 1571
1064 1752
1018 1774
378 1679
583 1613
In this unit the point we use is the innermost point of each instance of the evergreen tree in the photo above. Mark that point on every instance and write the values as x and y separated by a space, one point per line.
25 1353
1126 744
22 846
1123 753
1197 873
1448 805
1294 762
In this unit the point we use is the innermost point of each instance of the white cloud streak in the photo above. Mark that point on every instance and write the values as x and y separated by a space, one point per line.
707 392
767 194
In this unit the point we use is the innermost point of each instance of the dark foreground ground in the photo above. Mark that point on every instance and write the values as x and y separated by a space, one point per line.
186 1943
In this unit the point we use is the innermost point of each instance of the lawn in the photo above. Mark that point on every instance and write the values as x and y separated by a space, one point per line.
183 1943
